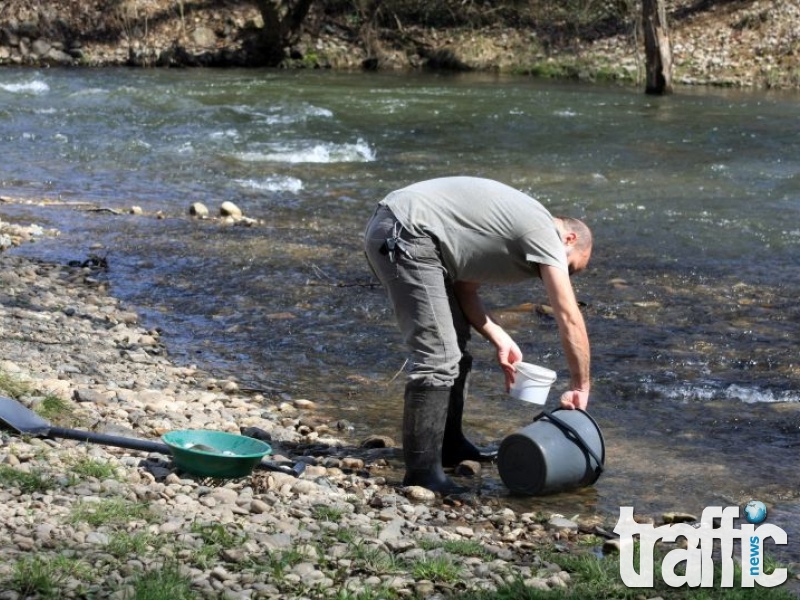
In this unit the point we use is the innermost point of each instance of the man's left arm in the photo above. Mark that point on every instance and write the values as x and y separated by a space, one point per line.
508 352
572 330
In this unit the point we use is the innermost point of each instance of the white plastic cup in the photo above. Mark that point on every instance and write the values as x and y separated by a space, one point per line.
532 383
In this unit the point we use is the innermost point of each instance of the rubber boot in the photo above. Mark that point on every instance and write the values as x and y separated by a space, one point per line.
456 447
424 417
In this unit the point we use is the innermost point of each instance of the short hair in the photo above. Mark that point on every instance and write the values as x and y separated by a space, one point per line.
581 230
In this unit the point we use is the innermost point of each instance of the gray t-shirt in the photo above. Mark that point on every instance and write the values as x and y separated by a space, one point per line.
487 231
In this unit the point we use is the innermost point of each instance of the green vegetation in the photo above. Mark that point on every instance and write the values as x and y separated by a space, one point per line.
28 482
214 534
54 408
124 544
110 512
278 563
436 568
456 547
37 576
568 67
372 559
323 512
49 407
216 538
592 577
345 535
58 411
87 466
11 386
166 583
380 593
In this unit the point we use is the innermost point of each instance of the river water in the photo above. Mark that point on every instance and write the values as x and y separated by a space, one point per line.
690 299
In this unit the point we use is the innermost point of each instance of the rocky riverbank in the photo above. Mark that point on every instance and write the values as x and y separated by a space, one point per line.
736 44
92 521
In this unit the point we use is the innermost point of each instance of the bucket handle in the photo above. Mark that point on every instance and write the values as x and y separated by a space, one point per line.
570 432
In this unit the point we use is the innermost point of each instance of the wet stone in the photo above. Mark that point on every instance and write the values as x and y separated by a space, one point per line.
198 209
562 523
229 209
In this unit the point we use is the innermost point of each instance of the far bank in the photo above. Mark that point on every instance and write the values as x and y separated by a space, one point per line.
749 44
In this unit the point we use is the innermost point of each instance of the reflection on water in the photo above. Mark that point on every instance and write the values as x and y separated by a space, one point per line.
690 298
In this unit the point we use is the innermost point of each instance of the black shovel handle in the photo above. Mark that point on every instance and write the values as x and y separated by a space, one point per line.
103 439
108 440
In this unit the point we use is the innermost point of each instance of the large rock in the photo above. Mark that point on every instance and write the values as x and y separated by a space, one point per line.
40 48
229 209
198 209
57 57
204 37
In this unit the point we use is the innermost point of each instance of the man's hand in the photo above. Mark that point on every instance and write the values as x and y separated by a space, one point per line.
575 399
508 354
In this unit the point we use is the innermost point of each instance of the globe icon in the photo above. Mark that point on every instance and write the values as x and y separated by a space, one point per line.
755 512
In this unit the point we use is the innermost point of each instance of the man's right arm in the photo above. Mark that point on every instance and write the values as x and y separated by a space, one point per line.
572 330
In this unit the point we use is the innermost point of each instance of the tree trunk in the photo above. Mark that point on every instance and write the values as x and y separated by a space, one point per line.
658 54
282 22
368 33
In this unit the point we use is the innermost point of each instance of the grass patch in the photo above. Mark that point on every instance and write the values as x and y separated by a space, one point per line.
599 575
278 563
166 583
345 535
44 577
437 568
87 466
215 538
12 387
28 482
379 593
590 540
110 512
457 547
204 557
124 544
372 559
53 408
323 512
593 577
214 534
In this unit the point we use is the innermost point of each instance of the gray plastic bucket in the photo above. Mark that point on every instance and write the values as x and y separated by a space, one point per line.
561 450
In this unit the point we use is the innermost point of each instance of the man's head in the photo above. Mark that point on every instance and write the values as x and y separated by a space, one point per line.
577 237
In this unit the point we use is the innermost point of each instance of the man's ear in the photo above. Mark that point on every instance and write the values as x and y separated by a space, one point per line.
570 238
